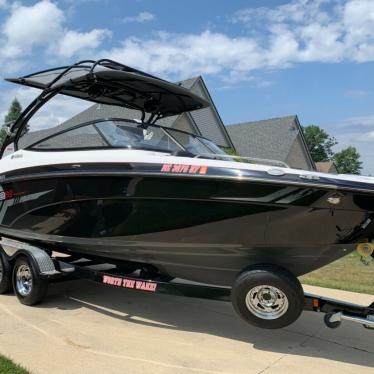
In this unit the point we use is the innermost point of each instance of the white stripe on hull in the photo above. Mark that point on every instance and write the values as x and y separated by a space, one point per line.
26 159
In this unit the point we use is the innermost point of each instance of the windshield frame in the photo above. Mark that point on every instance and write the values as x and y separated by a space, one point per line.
139 124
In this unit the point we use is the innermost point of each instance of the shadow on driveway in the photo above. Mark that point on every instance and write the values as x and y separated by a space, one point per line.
350 343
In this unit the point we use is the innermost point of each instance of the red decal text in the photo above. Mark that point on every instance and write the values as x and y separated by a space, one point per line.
184 169
166 168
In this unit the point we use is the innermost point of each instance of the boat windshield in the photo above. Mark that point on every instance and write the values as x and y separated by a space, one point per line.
121 133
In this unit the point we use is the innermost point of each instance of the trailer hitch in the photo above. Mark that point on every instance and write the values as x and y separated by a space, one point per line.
336 311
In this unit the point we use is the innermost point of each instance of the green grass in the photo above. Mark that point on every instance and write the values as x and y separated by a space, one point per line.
347 273
8 367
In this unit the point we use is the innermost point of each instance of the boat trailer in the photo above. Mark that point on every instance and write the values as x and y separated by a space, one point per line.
335 311
47 267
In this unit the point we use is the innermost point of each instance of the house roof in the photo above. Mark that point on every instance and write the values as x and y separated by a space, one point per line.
326 167
208 120
188 83
265 139
271 138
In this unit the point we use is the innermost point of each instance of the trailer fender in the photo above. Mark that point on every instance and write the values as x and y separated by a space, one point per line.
44 263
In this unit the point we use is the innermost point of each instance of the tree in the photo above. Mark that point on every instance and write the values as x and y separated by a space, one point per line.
232 152
347 161
319 143
15 110
2 136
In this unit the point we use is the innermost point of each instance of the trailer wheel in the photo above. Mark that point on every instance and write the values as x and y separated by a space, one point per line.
268 297
28 286
5 275
331 324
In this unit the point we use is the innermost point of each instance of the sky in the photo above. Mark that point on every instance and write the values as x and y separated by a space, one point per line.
259 59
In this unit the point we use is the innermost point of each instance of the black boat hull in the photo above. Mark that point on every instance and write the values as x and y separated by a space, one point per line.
205 230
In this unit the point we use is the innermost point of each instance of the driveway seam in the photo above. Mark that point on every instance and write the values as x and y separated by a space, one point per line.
285 354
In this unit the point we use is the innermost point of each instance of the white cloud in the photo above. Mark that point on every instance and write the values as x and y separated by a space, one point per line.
294 11
73 42
325 31
189 54
301 31
358 93
3 4
367 120
28 26
141 17
358 19
42 25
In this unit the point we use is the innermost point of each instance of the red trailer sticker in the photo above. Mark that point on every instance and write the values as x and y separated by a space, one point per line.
184 169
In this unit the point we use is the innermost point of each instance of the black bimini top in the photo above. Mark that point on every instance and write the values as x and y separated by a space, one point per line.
109 82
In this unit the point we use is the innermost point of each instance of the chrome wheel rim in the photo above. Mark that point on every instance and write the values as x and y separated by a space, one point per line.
266 302
24 280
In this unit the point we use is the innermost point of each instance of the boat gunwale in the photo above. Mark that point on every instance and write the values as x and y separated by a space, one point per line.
115 173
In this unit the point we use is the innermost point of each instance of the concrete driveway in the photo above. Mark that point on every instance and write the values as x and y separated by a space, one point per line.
88 328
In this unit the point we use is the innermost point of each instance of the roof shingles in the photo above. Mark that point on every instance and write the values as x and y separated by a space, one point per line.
271 139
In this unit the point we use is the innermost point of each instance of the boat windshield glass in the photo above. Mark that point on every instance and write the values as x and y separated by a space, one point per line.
190 143
65 123
120 133
59 113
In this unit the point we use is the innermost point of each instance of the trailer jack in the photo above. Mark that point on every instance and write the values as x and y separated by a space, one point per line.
337 311
334 320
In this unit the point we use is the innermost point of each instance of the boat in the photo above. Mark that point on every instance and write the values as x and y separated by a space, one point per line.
138 192
164 197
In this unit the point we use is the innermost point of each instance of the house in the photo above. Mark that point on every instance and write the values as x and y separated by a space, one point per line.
326 167
278 139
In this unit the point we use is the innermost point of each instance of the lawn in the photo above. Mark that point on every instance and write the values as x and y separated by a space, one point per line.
7 367
347 273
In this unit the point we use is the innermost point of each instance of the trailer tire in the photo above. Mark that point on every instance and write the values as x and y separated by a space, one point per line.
28 286
268 296
329 324
5 275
